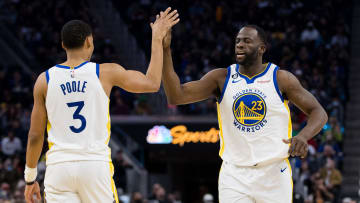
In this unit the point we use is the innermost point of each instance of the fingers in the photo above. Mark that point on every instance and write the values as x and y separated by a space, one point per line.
167 11
38 195
292 147
304 151
286 141
151 25
157 16
175 22
298 148
172 14
174 17
29 198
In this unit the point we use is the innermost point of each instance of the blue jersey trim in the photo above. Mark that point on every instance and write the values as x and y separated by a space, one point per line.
250 80
97 70
47 76
67 67
276 84
225 84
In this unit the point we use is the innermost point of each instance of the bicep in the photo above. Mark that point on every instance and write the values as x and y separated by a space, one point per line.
296 93
129 80
38 114
199 90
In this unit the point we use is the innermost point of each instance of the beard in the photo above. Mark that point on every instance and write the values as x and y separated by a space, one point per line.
248 59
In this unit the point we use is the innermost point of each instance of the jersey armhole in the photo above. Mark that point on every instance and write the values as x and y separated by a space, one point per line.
97 70
47 76
276 83
225 84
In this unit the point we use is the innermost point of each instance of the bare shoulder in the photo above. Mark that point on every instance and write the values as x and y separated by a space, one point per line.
218 75
217 79
287 80
218 72
105 67
40 87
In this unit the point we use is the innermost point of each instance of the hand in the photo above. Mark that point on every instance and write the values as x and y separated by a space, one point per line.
322 187
298 146
30 190
164 22
167 40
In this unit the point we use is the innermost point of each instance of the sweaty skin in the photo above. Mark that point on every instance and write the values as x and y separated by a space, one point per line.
249 49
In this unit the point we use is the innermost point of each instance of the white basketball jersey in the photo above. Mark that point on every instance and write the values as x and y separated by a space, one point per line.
78 114
253 118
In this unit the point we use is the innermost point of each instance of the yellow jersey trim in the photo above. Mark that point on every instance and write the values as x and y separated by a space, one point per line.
292 184
286 103
266 66
113 187
50 144
222 147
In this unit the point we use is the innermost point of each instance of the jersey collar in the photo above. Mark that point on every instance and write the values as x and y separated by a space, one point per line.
67 67
250 80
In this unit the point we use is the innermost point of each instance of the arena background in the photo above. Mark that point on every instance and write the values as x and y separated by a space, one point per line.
317 40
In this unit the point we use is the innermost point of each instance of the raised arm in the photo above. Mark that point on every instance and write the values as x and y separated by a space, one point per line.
135 81
306 102
194 91
35 138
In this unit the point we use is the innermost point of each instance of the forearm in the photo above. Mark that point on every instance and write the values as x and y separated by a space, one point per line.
170 79
34 148
154 71
316 121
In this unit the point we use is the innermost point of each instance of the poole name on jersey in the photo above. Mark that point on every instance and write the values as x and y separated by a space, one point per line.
249 109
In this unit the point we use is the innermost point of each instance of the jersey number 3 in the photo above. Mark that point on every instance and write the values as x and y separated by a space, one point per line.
79 105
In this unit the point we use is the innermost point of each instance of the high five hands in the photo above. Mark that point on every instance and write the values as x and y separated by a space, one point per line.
164 22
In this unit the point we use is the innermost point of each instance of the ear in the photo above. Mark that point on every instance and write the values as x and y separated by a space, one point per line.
262 48
62 45
87 43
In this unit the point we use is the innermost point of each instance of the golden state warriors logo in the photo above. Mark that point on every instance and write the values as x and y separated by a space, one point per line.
249 110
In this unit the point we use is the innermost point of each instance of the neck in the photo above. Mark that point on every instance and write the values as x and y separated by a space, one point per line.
252 69
75 57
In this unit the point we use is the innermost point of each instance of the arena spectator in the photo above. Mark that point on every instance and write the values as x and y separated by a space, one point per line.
332 178
137 197
310 33
10 144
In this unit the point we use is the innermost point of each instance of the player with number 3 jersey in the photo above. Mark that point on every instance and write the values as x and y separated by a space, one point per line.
71 100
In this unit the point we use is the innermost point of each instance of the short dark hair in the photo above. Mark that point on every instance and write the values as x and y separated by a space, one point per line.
261 33
74 33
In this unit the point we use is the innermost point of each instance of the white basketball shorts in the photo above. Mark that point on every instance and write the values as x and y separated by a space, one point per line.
80 181
258 184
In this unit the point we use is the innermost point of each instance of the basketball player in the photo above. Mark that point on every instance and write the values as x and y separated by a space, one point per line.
254 119
72 100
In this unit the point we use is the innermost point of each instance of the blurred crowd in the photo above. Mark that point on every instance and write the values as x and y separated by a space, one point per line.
311 39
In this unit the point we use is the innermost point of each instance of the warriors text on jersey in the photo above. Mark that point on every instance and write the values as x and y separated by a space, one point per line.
78 114
253 118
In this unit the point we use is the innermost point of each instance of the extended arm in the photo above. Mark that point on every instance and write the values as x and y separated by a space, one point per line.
306 102
176 93
135 81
